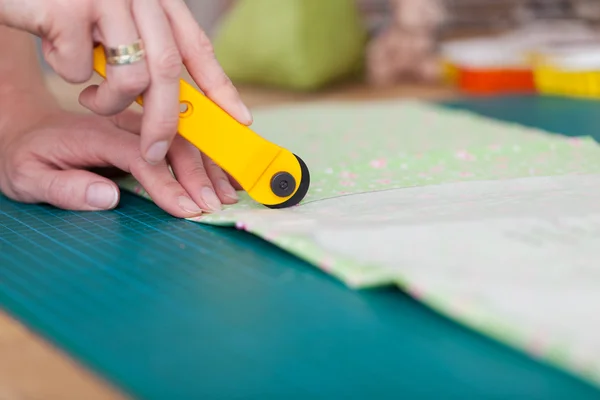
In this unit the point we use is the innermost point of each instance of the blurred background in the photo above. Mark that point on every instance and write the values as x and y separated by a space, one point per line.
463 15
474 46
304 47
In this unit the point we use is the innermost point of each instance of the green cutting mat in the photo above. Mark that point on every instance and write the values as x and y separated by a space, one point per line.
167 308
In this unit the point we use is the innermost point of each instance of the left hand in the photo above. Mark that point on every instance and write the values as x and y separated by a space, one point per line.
47 159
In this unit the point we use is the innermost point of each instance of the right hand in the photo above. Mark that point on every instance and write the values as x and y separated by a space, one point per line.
171 37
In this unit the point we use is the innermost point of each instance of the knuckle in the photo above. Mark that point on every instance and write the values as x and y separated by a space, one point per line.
204 43
58 192
212 166
169 64
173 188
217 81
133 84
136 166
165 127
196 171
200 45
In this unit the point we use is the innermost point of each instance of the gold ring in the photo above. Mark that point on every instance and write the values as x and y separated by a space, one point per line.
125 54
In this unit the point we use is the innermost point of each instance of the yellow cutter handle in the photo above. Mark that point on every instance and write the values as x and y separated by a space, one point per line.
250 159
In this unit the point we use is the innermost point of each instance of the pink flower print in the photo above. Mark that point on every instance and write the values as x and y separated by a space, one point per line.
465 155
437 169
384 181
416 292
495 147
466 174
327 264
575 142
348 175
537 346
380 163
347 183
240 226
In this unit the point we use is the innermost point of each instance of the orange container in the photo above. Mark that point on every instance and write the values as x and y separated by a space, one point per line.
496 80
503 63
489 66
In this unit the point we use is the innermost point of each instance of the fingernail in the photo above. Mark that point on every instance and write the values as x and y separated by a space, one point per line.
211 199
102 196
246 112
188 205
227 190
157 152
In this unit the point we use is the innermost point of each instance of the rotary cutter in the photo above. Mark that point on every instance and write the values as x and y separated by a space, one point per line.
270 174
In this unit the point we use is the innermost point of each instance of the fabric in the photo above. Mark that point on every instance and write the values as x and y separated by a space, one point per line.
493 224
293 44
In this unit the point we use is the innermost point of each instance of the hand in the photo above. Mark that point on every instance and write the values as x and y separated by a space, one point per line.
171 37
46 159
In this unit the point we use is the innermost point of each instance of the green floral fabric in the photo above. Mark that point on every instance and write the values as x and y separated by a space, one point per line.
361 154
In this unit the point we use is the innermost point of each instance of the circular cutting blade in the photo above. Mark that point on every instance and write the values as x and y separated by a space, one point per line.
302 188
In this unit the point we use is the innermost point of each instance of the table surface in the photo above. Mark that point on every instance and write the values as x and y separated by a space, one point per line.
31 368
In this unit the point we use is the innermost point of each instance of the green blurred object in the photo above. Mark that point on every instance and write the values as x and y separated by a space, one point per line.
292 44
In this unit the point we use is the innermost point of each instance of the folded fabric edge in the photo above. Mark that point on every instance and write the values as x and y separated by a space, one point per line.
553 354
360 276
353 274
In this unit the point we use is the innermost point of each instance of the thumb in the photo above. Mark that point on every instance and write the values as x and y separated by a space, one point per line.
77 190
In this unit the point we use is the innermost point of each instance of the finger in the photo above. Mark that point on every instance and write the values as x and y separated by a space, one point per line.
123 83
164 189
188 167
116 147
156 179
199 58
234 183
161 100
75 190
220 181
225 186
69 53
131 121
